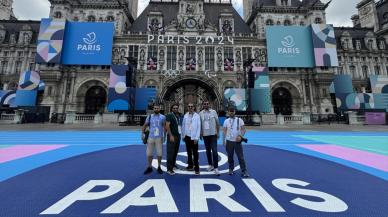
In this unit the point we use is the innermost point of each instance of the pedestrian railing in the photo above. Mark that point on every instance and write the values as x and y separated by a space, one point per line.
293 119
80 119
7 118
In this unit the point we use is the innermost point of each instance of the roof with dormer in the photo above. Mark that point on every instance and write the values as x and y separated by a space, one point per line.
169 11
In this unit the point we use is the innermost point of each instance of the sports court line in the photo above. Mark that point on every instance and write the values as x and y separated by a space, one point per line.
362 157
21 151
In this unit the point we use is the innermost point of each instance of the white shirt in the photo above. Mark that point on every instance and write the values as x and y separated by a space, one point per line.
209 119
232 130
191 126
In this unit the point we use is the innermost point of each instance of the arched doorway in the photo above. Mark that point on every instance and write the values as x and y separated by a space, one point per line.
191 91
282 101
95 100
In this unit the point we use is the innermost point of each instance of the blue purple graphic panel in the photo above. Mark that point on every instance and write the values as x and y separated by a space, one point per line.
26 97
50 41
238 97
143 97
325 46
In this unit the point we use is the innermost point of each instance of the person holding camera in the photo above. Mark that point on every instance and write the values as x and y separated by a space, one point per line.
156 123
233 136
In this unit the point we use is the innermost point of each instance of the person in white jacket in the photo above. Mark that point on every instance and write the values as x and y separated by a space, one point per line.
191 131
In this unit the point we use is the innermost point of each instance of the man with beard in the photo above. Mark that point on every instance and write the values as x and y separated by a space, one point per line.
173 128
191 129
233 133
210 130
156 123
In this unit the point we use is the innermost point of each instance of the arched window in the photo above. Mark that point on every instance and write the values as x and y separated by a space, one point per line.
58 15
91 18
278 23
302 23
287 23
269 22
365 71
318 20
352 71
110 18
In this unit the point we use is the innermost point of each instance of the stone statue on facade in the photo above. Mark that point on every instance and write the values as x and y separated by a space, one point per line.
190 9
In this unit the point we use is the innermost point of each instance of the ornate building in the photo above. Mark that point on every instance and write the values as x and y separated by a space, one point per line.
192 50
6 12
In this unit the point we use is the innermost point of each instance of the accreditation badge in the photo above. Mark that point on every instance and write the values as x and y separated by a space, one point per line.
206 125
156 132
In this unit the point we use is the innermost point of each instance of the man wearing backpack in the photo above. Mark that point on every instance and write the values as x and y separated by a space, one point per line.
233 133
156 123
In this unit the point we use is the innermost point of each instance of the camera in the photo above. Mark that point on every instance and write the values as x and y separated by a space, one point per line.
243 139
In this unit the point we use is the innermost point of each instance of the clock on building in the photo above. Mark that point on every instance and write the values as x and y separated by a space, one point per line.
191 23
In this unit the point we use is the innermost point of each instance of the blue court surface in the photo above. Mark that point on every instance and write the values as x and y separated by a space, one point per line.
100 173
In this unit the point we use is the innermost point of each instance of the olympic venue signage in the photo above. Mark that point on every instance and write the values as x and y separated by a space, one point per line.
183 39
199 196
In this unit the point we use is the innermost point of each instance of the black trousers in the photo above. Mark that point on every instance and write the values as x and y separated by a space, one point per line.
232 147
192 151
172 151
211 150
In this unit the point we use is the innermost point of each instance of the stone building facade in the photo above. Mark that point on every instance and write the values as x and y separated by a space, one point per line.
192 50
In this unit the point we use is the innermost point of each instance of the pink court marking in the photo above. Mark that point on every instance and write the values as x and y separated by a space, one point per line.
362 157
21 151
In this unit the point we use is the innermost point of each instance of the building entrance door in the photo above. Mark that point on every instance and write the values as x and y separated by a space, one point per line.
282 101
190 91
95 100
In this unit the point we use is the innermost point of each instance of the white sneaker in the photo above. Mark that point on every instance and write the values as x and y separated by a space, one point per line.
210 168
216 172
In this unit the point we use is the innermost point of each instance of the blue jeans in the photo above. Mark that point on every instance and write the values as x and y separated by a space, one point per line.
211 150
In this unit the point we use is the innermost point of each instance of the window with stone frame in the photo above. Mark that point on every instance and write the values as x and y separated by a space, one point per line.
365 71
287 23
228 59
110 18
91 18
191 61
302 23
152 58
133 51
269 22
352 71
247 53
318 20
31 66
18 67
377 70
4 66
171 57
58 15
284 2
209 58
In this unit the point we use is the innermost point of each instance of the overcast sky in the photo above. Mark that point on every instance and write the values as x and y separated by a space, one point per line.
338 13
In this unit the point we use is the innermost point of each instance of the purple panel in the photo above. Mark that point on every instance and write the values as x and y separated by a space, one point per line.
375 118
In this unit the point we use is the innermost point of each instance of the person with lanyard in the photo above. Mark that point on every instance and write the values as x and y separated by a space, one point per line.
210 133
191 130
173 128
156 123
233 133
